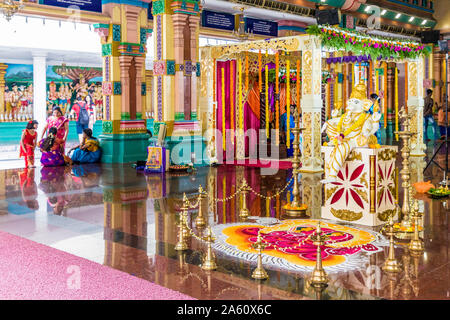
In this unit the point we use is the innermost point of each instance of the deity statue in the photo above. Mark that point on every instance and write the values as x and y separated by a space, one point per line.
98 98
67 95
62 98
23 100
81 88
52 96
15 96
355 128
29 93
7 101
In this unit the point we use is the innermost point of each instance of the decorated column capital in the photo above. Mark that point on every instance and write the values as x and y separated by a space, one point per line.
102 30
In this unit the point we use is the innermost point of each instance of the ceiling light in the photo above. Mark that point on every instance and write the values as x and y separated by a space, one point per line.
323 0
383 12
398 15
424 21
411 19
367 9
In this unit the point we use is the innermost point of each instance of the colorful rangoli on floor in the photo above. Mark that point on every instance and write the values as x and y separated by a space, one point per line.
289 246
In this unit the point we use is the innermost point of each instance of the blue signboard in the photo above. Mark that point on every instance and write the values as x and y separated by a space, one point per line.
217 20
262 27
85 5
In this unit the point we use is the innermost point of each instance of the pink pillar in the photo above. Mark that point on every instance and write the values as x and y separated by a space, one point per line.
179 21
125 62
140 64
193 25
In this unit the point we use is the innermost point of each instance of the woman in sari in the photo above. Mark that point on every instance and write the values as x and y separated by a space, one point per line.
61 123
88 151
50 147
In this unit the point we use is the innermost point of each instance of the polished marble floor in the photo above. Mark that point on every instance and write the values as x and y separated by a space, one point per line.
121 218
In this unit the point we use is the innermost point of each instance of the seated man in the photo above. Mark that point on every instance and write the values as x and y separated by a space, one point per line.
88 151
355 128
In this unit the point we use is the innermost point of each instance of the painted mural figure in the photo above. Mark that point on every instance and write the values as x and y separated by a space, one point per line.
15 96
355 128
23 100
98 99
7 102
81 88
30 98
52 98
62 98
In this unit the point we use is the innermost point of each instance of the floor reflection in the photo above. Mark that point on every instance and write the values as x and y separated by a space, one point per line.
118 217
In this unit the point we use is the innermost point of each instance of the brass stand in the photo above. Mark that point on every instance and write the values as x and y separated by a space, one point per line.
319 277
318 290
244 212
184 217
295 209
182 240
416 245
406 286
209 263
405 173
182 263
200 222
259 273
391 265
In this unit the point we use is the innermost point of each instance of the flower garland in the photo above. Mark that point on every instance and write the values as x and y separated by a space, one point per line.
350 40
358 123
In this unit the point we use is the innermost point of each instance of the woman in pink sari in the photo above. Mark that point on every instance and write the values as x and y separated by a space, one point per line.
62 125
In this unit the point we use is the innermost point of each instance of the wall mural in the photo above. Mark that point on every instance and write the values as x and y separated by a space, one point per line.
64 87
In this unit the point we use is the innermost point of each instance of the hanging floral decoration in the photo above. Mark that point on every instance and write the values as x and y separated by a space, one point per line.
360 43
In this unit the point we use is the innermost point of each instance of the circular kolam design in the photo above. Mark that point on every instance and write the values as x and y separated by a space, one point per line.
289 246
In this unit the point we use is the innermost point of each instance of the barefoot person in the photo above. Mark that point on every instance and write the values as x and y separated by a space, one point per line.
28 143
88 151
61 124
51 149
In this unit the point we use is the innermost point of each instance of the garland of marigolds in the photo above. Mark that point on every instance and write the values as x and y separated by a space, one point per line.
358 43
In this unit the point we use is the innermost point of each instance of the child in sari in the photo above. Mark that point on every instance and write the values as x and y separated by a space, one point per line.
28 143
52 155
88 151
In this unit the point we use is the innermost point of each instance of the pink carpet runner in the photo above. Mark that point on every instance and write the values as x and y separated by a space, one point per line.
32 271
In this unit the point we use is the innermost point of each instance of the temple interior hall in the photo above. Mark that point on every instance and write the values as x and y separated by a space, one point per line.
224 150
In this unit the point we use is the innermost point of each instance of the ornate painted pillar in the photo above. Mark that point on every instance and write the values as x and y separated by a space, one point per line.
311 104
124 40
179 22
176 45
437 69
149 94
194 22
3 68
390 99
415 105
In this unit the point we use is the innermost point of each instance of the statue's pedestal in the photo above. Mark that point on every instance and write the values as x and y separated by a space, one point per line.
366 187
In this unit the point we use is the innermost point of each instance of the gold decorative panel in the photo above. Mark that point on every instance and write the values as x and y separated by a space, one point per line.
346 215
412 79
307 137
307 72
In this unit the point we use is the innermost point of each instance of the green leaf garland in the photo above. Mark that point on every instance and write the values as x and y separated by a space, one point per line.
359 43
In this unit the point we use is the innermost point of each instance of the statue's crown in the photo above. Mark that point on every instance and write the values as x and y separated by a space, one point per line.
359 92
